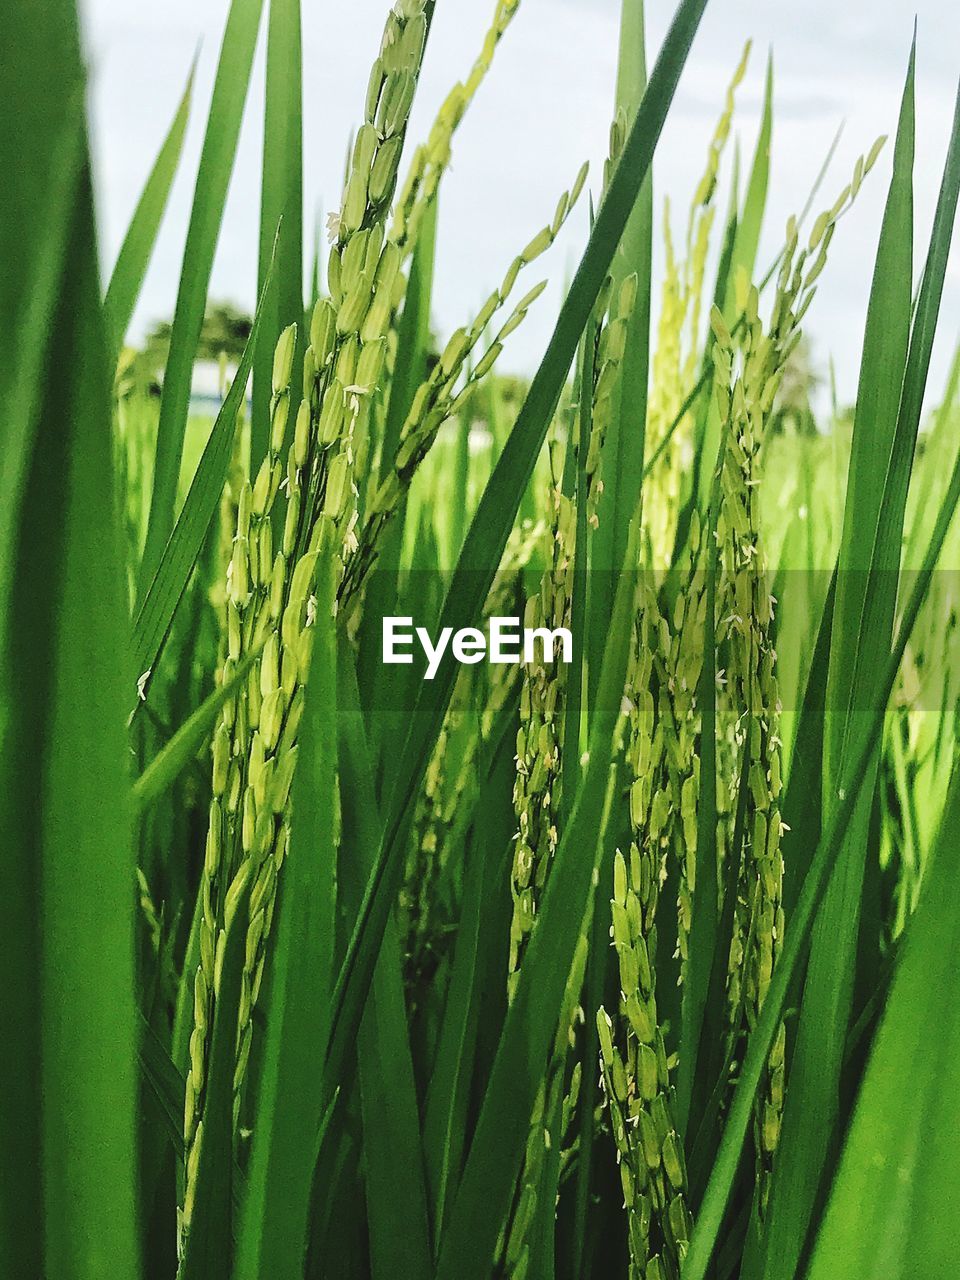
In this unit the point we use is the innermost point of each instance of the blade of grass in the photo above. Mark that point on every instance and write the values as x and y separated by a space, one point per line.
704 921
155 615
167 765
862 627
164 1084
571 768
803 801
62 758
445 1111
136 251
213 179
897 1193
32 311
750 221
573 711
281 205
626 436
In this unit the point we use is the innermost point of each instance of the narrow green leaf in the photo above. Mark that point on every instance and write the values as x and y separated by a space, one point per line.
164 1084
63 792
281 205
750 220
213 179
167 765
584 624
712 1209
32 300
860 642
579 626
445 1109
138 244
626 436
706 905
67 1205
924 329
897 1194
392 1148
803 800
156 613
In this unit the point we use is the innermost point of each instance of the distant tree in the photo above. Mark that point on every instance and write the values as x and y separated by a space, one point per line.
224 335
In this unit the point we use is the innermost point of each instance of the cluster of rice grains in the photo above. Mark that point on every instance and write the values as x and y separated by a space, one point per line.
270 606
536 799
270 602
748 370
540 737
663 761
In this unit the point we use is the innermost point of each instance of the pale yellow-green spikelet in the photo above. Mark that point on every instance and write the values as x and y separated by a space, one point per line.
432 158
615 308
748 369
634 1066
749 703
231 826
536 800
272 594
446 391
677 348
540 738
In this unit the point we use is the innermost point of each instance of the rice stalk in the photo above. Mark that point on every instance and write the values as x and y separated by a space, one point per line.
634 1063
748 373
270 594
536 795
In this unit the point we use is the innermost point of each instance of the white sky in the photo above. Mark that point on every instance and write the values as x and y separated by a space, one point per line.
545 107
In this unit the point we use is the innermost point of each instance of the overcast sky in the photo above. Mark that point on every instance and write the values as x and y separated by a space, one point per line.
545 107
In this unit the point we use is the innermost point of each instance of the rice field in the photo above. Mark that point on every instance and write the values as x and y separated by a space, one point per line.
346 934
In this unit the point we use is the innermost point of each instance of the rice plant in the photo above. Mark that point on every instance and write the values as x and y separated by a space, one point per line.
604 921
